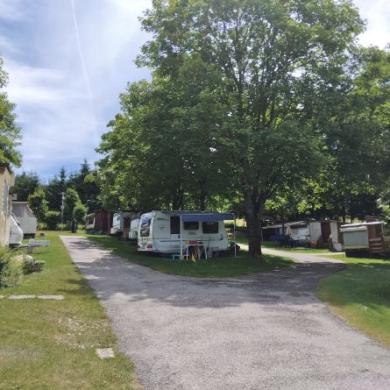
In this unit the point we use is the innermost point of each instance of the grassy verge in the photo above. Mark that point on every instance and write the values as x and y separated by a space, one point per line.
215 267
51 344
361 295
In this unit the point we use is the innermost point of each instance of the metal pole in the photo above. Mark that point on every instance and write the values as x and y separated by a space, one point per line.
62 207
234 237
181 239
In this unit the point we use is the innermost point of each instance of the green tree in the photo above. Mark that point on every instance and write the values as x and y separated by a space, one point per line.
79 212
71 199
9 131
275 59
38 204
25 184
52 219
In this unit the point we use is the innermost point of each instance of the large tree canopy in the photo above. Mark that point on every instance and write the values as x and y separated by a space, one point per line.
9 132
236 103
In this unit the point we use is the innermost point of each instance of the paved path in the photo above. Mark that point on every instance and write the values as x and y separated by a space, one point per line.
266 331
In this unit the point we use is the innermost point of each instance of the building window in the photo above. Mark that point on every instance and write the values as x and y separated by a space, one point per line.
191 225
145 226
210 227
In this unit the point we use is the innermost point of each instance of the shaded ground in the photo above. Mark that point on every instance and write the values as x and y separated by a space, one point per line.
265 331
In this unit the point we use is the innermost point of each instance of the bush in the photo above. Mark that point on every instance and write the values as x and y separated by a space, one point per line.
52 219
13 265
31 265
11 273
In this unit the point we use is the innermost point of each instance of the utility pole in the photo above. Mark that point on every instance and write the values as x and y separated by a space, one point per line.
62 207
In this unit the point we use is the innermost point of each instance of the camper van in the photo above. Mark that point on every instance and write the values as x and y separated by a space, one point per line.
365 238
25 217
173 232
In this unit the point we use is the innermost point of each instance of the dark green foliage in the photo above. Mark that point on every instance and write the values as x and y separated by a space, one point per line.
38 204
232 109
25 185
52 219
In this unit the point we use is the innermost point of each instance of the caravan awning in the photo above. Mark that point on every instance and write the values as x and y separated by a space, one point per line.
207 217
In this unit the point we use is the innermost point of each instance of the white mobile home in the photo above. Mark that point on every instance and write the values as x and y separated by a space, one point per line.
365 238
26 218
120 221
173 232
315 233
133 232
15 233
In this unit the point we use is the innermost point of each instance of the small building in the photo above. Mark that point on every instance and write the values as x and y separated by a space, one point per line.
25 217
7 180
99 222
367 238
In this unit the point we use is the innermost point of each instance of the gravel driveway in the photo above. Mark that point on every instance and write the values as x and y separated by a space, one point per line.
266 331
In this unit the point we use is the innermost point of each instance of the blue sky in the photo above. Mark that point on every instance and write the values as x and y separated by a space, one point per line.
68 60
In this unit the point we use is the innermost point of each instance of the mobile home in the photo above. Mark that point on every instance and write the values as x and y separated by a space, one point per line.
121 223
365 238
15 232
7 180
26 218
133 231
173 232
98 222
315 233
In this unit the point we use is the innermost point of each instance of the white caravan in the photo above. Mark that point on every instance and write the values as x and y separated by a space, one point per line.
133 232
16 233
172 232
25 217
119 221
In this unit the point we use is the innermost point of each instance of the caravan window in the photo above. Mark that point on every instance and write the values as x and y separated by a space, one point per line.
145 226
191 225
175 224
210 227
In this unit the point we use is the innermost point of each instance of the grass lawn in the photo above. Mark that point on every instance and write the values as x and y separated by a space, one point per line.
361 295
215 267
51 344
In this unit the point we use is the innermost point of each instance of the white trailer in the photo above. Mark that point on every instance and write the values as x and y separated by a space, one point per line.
133 232
26 218
119 221
365 238
16 233
174 232
316 233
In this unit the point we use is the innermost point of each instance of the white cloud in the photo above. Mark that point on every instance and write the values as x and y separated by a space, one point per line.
12 10
377 15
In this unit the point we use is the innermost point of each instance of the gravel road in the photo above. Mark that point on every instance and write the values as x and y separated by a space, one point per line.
266 331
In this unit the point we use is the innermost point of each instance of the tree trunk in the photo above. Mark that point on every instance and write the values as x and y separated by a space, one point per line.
252 217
